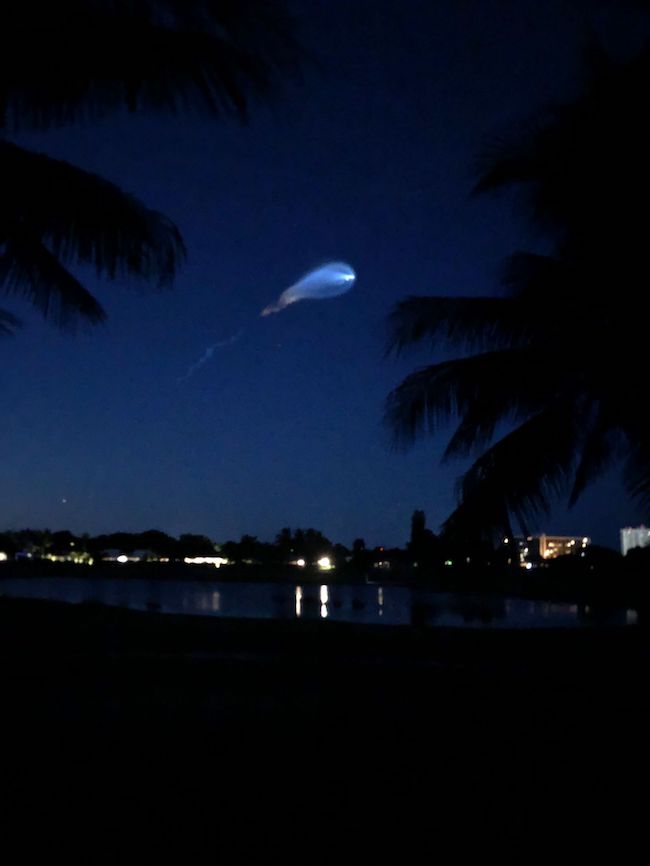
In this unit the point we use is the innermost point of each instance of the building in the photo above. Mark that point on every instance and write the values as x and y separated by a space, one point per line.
535 549
552 546
634 536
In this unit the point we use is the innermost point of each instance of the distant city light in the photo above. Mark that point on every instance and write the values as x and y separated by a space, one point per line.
325 563
301 563
217 561
78 558
122 558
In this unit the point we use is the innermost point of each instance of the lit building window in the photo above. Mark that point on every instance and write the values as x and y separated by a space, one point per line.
631 537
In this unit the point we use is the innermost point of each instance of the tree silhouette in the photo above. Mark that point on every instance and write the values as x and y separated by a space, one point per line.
557 358
79 60
423 546
309 544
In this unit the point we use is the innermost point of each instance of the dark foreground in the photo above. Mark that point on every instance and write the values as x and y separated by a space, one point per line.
365 730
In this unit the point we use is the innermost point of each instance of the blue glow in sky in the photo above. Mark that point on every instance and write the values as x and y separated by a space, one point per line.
326 281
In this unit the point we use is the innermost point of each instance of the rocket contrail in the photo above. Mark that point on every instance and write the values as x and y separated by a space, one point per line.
327 281
209 352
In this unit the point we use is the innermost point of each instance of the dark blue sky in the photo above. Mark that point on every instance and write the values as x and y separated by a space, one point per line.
371 161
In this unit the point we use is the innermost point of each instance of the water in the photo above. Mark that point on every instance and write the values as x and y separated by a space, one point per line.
392 605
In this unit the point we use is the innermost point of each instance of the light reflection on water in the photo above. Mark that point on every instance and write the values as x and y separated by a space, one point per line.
324 598
393 605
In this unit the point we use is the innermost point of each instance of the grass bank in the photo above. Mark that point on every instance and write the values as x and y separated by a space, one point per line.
108 707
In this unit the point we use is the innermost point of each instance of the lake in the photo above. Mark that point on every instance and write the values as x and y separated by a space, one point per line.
392 605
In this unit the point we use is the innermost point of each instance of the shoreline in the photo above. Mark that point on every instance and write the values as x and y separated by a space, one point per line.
31 627
605 590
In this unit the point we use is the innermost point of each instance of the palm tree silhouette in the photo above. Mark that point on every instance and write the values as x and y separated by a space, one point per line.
548 393
79 60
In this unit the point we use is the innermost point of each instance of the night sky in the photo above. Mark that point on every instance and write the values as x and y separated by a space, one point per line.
369 160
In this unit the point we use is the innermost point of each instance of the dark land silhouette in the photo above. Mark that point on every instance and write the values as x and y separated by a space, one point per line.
428 561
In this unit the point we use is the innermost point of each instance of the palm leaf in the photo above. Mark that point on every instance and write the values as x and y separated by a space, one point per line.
8 323
581 166
83 218
522 473
636 428
30 270
637 476
472 323
572 322
601 447
483 390
79 59
540 279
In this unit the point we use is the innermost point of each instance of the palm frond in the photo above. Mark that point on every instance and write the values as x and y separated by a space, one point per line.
637 477
509 161
637 460
82 218
472 323
581 166
8 323
579 313
600 448
522 473
79 59
30 270
538 278
482 390
483 517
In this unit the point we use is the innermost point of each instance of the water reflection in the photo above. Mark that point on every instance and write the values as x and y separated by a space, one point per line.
324 598
361 604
